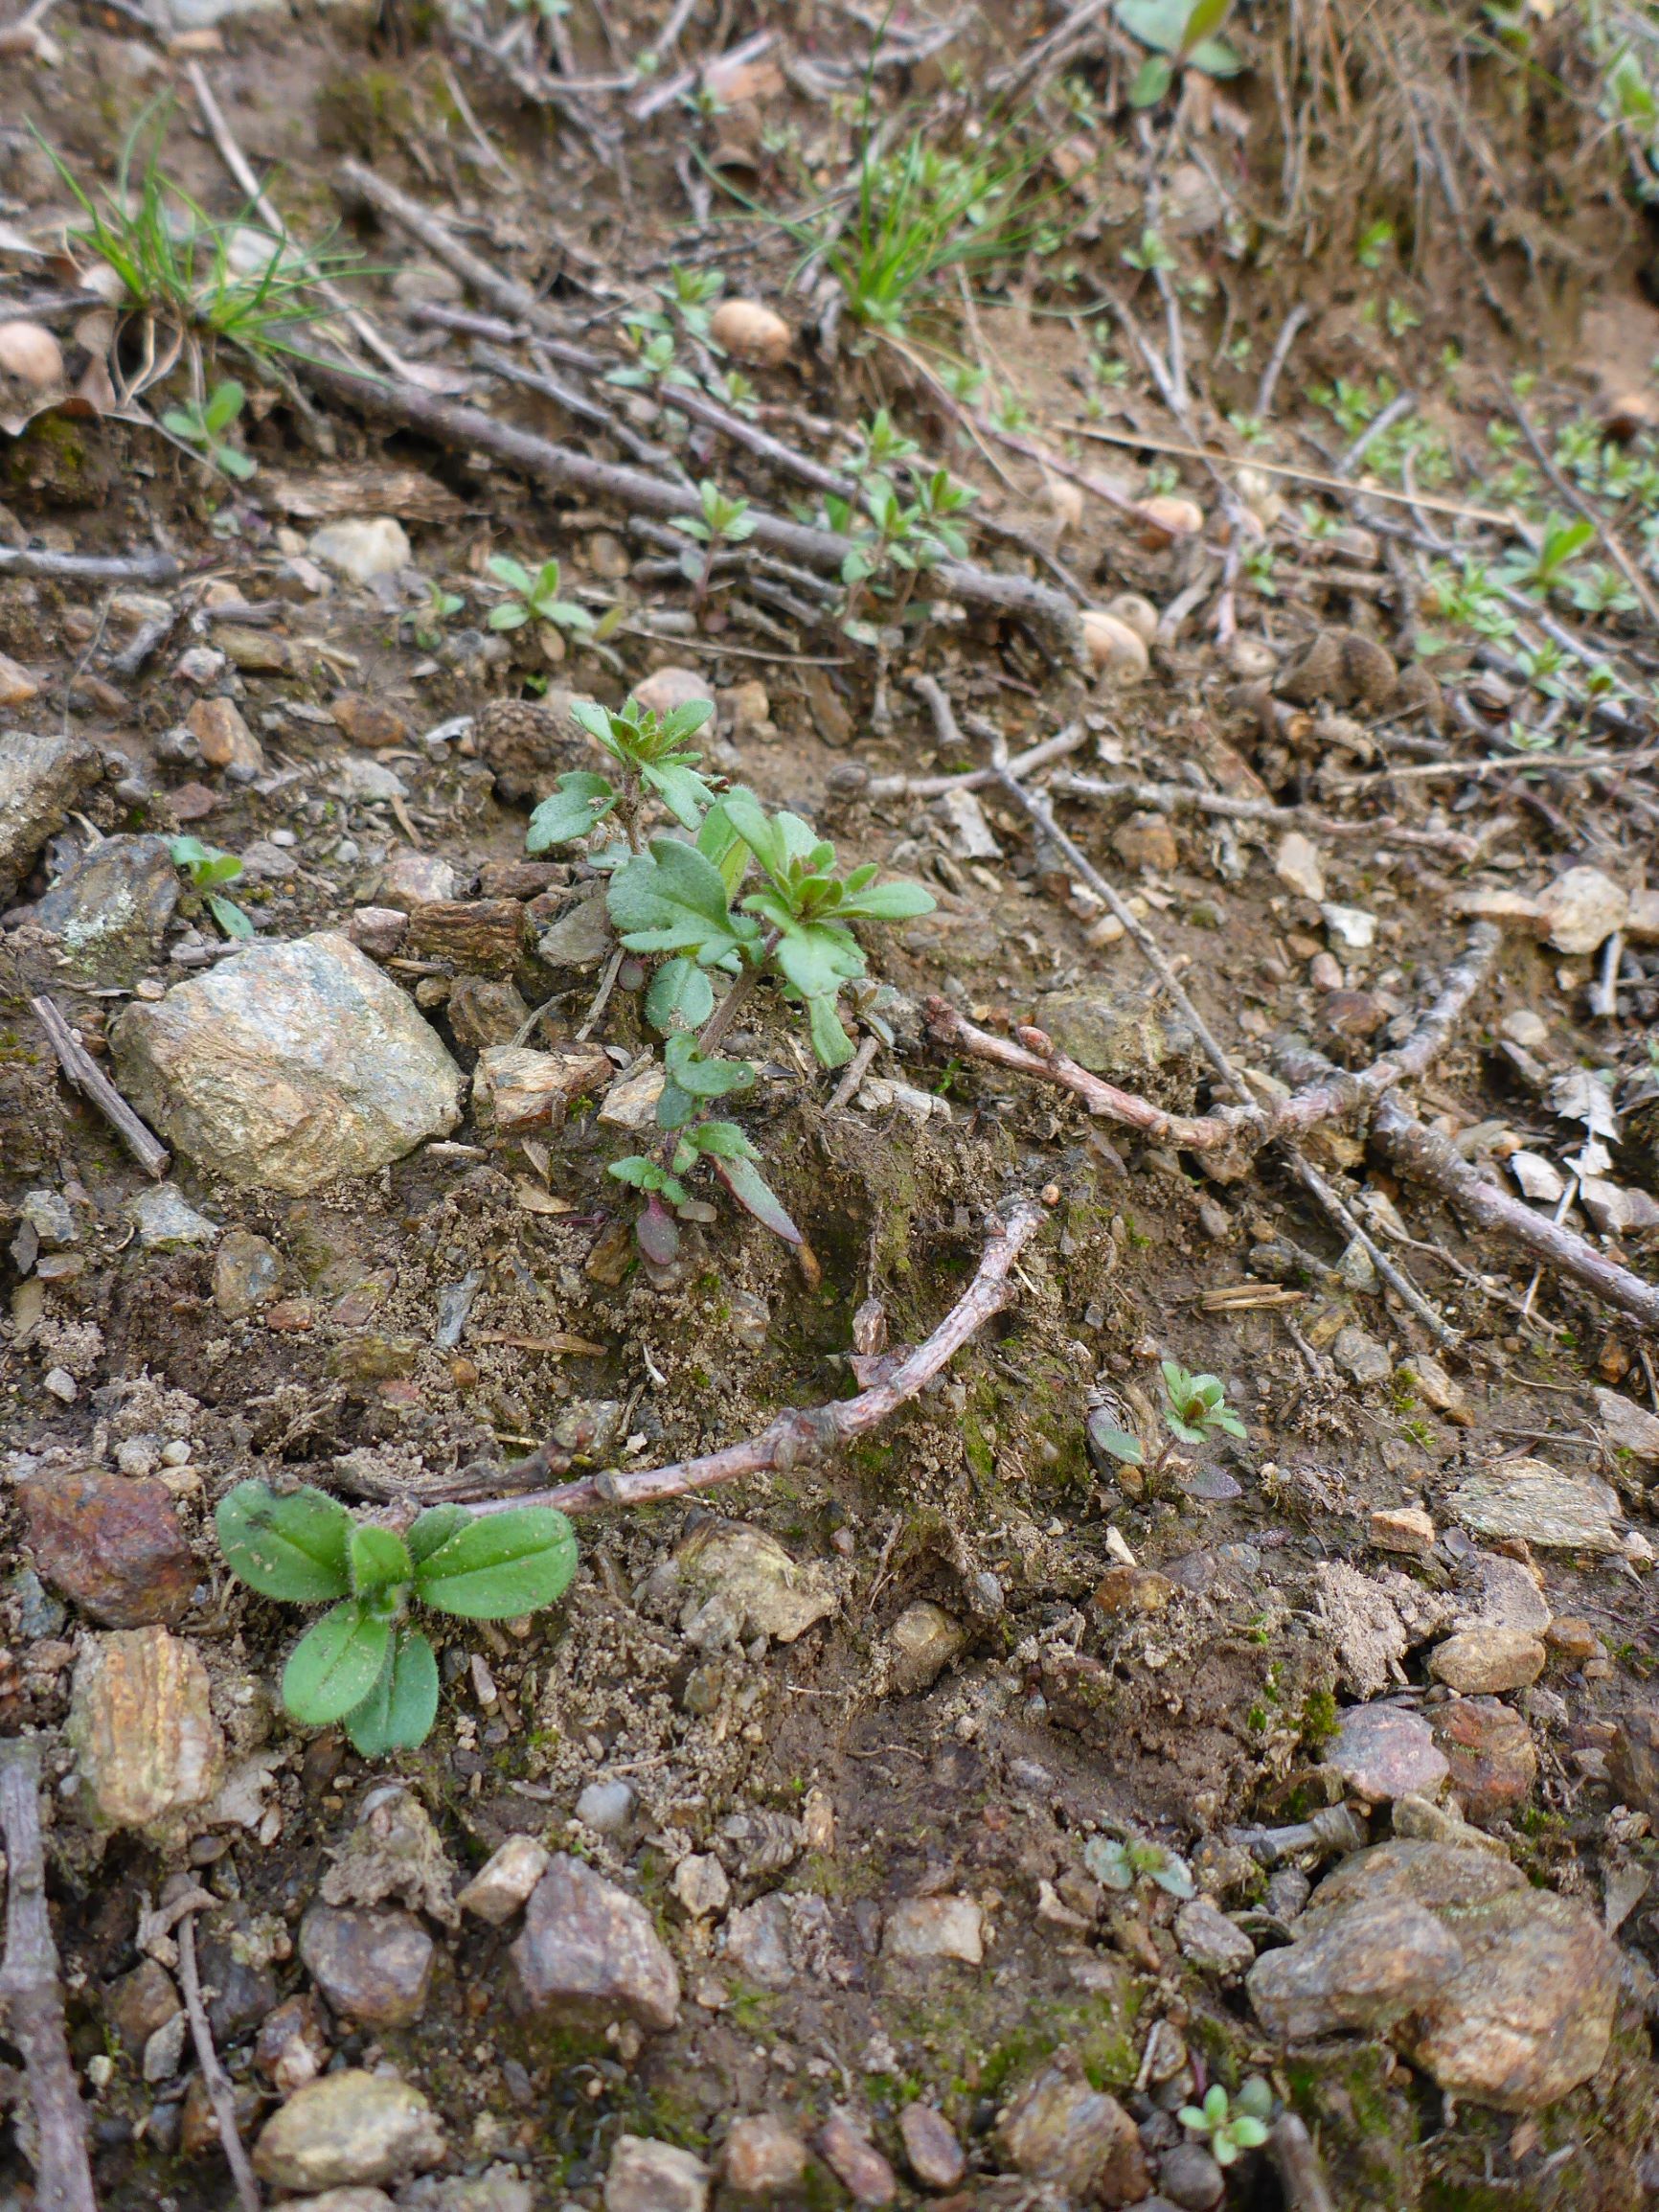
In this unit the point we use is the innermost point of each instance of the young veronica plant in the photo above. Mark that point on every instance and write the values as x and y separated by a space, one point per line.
1231 2125
534 598
687 902
720 521
207 867
203 423
363 1665
1120 1865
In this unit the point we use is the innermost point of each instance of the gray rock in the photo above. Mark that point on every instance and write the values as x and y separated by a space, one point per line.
854 2160
589 1954
756 1940
730 1582
1530 2014
503 1883
925 1640
605 1807
930 1927
375 1967
1188 2177
111 909
1214 1943
1363 1969
763 2156
166 1222
362 547
1527 1499
931 2149
1360 1356
1630 1427
646 2175
1057 2129
498 2189
348 2127
1386 1751
582 936
247 1274
1116 1036
52 1218
140 1720
41 778
1488 1661
288 1065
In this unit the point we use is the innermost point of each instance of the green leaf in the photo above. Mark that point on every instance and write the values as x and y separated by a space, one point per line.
719 1141
1105 1436
685 721
433 1527
1151 81
720 845
674 901
829 1039
224 407
1190 2116
508 616
379 1560
1205 18
704 1078
816 957
1160 24
291 1547
564 614
1247 2131
1215 58
336 1664
684 794
501 1564
1255 2098
399 1712
756 1196
1108 1859
229 916
680 996
512 573
569 814
1173 1875
762 836
235 462
895 901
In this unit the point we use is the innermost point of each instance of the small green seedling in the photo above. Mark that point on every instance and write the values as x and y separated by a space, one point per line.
362 1664
720 521
1194 1409
207 867
684 898
534 598
428 626
1120 1865
1231 2125
1182 35
1195 1405
202 423
1564 539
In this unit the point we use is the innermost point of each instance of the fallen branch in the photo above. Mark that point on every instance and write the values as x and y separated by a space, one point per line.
808 1433
469 429
1425 1157
32 1996
91 567
90 1080
1178 798
219 2091
844 778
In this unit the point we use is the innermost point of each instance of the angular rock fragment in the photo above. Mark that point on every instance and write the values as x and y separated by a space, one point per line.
589 1954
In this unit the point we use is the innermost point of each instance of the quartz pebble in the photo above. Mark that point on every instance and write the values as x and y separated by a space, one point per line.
646 2175
1487 1660
348 2128
503 1883
763 2156
931 2148
1403 1528
931 1928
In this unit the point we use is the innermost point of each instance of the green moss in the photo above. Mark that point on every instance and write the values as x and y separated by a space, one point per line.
1320 1721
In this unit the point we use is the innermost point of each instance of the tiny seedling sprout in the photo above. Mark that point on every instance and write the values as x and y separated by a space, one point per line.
207 867
363 1664
533 598
1231 2125
201 425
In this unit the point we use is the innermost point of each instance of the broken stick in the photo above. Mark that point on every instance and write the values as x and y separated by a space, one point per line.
32 1996
806 1433
221 2094
90 1080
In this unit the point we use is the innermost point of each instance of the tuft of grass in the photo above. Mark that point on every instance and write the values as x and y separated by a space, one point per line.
235 280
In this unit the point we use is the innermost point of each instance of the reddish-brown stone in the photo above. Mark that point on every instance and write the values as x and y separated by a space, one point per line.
111 1543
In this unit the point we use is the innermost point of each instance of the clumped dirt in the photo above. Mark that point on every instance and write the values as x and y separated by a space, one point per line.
1066 1712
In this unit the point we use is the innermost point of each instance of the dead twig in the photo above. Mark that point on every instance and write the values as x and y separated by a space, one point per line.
1052 749
805 1434
1277 359
94 1085
31 1995
221 2094
1395 1277
1297 2162
91 567
1585 509
1176 798
469 429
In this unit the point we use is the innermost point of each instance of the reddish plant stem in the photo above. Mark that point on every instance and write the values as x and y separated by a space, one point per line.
801 1435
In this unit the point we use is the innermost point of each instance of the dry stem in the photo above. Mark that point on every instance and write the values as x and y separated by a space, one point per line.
218 2084
32 1996
805 1434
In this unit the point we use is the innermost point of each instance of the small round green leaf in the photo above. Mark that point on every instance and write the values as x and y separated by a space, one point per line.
291 1547
501 1564
399 1712
435 1526
335 1666
379 1560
